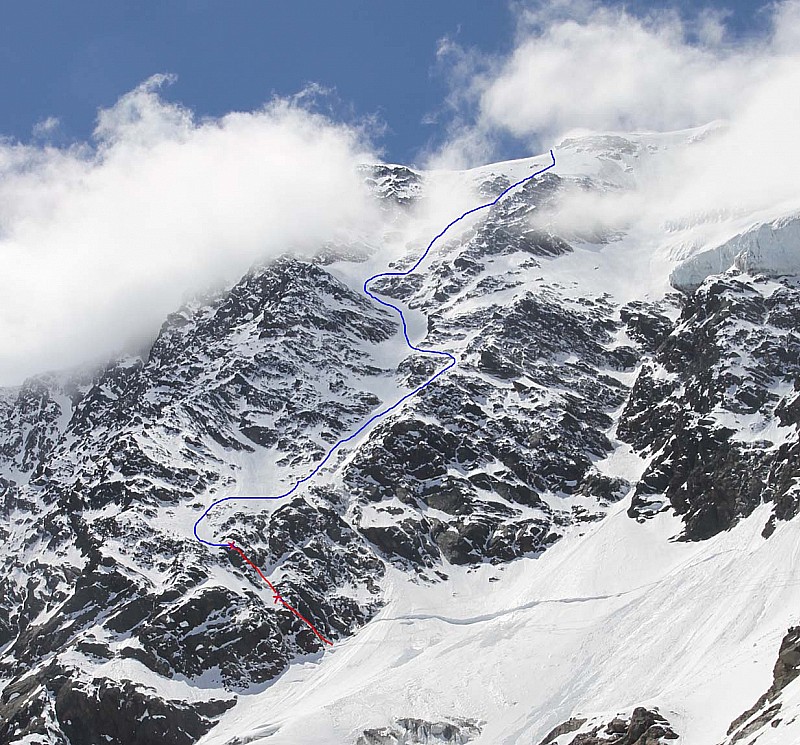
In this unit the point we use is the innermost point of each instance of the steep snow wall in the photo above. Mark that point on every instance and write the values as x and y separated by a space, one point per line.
772 249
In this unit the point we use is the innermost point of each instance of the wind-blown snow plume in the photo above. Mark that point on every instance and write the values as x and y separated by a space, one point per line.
99 241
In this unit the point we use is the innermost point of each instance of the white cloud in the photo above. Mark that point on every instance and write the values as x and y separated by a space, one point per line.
98 242
46 128
580 67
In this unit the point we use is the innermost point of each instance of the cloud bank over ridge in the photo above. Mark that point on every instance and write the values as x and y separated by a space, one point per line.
579 67
99 241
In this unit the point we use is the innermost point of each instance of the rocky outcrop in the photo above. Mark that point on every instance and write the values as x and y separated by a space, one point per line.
478 466
100 712
642 727
395 184
728 371
33 418
419 732
96 564
766 711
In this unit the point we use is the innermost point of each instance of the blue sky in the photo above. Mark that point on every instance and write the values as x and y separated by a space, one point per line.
65 60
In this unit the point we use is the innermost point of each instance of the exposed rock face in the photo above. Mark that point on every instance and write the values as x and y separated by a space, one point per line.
104 711
495 464
565 728
642 727
394 184
768 707
33 418
728 371
480 471
419 732
101 529
646 324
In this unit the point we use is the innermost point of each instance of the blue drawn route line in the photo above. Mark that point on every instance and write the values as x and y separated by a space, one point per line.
451 362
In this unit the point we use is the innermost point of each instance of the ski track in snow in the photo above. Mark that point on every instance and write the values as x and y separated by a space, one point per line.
683 567
375 417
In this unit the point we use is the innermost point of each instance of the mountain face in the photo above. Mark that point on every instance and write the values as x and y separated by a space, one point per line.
584 533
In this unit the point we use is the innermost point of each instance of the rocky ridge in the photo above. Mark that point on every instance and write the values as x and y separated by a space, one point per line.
717 406
767 710
641 727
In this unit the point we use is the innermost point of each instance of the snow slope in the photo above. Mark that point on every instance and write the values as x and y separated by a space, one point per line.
614 618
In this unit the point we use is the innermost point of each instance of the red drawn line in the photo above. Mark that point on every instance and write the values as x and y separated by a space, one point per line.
276 596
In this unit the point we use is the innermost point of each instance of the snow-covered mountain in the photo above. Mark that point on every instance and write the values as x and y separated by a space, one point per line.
584 533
